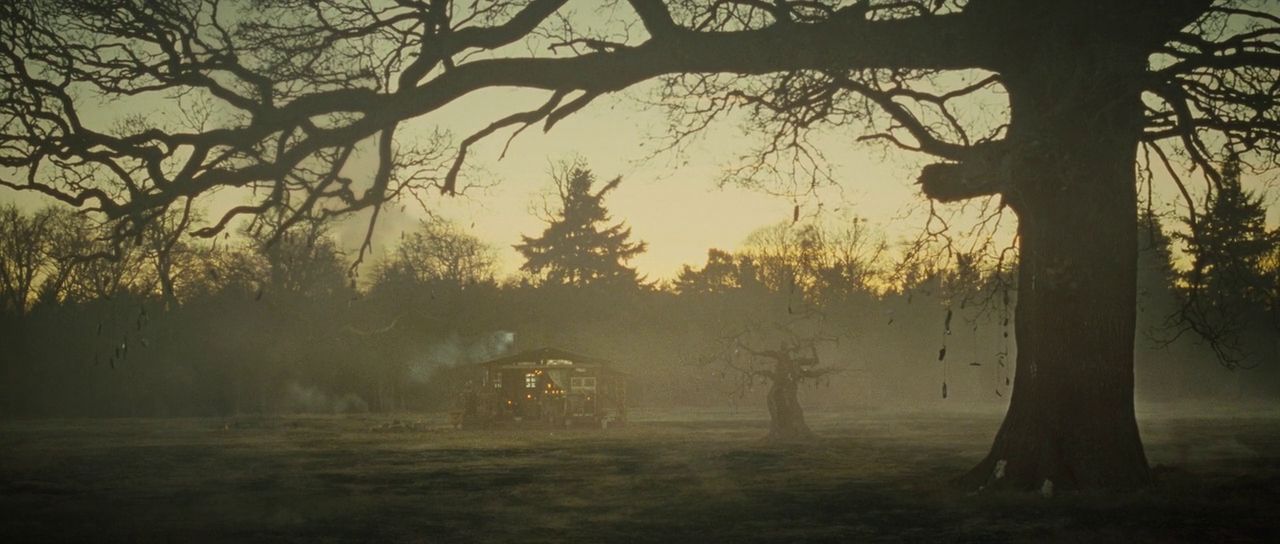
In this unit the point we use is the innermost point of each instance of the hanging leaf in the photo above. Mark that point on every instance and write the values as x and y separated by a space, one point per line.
947 323
942 353
944 390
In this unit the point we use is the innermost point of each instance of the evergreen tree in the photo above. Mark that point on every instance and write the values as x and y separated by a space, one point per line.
1157 278
1227 281
1229 242
577 248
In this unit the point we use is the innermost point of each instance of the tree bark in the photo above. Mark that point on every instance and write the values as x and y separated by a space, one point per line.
1077 119
786 417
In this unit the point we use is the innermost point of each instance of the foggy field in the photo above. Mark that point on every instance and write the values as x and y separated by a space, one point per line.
872 476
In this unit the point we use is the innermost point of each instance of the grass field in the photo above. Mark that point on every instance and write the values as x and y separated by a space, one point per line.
702 477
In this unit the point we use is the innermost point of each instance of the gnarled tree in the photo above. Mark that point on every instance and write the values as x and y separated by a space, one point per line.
782 355
288 89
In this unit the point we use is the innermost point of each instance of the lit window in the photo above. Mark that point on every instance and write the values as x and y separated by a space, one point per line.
497 381
531 381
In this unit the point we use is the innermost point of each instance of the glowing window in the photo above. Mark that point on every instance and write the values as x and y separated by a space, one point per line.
531 381
497 381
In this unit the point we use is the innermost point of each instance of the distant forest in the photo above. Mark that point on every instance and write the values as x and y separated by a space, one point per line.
262 323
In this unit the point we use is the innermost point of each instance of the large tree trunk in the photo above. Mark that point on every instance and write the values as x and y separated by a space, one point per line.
786 417
1071 419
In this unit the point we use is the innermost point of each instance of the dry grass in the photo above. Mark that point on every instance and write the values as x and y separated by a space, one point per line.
873 476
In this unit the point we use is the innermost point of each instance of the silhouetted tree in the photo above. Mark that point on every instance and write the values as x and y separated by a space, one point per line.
1226 284
302 261
783 355
815 261
438 252
722 273
1157 277
71 244
25 241
170 256
578 247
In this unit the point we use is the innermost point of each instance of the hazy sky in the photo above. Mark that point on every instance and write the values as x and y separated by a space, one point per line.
672 202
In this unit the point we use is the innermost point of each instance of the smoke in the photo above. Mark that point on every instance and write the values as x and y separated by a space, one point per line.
455 351
300 398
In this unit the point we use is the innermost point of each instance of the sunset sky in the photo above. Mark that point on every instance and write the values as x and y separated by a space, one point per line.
672 201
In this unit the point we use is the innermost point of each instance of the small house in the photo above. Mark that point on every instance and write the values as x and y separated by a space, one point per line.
542 387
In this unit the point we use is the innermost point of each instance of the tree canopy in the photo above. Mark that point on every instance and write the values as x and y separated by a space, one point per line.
278 94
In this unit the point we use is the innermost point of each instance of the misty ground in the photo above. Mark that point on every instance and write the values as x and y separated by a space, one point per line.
667 477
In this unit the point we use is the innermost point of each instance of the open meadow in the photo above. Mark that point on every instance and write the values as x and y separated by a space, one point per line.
666 477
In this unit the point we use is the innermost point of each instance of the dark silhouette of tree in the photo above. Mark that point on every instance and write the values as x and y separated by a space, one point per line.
783 355
1168 363
23 247
1158 297
169 254
578 247
71 244
814 261
1086 85
438 252
722 273
1227 283
301 261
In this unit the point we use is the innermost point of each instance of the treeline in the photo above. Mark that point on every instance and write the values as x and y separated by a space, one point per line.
272 323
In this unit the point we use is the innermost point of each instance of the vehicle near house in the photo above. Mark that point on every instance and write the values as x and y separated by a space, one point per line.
546 387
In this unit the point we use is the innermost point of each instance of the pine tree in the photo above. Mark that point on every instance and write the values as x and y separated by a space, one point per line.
577 248
1157 277
1226 286
1229 242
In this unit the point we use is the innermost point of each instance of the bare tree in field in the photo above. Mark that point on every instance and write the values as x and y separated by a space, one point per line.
781 356
283 92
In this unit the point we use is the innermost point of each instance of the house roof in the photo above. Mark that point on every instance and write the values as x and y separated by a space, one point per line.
547 356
